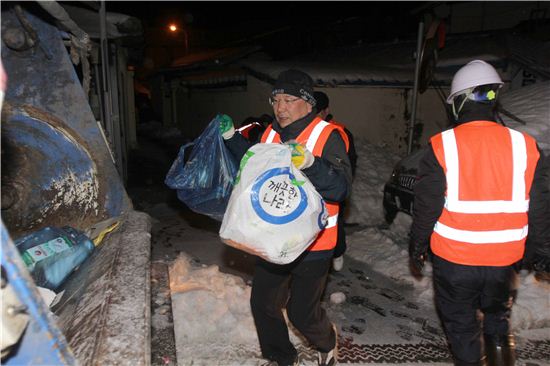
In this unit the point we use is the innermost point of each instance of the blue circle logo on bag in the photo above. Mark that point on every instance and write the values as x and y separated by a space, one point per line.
277 197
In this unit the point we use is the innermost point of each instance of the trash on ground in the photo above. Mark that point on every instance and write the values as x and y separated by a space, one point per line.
52 253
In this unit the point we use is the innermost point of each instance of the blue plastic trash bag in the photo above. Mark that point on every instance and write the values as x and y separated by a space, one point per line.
204 181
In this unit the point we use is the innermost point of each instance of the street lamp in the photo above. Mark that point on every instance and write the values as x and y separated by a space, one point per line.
172 27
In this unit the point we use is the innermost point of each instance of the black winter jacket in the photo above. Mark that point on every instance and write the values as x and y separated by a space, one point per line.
352 153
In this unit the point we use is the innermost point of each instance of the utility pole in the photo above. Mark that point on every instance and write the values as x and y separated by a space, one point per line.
416 81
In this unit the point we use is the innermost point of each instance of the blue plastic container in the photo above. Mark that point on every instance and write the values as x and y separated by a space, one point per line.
51 254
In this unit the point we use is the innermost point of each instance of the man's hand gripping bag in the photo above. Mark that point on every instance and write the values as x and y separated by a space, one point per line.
274 211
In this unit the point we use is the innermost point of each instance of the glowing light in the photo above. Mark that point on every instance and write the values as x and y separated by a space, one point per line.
173 27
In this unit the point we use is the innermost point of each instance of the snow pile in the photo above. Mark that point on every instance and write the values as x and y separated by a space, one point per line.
531 309
374 167
205 293
213 319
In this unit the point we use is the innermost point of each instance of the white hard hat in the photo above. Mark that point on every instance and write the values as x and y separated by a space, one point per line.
474 73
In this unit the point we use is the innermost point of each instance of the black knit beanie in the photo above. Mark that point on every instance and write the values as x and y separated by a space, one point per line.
297 83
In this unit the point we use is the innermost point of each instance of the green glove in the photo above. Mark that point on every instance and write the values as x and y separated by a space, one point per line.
227 130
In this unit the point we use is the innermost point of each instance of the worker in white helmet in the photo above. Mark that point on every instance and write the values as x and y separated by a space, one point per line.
482 187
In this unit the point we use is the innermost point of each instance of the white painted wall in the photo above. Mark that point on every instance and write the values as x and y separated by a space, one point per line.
376 114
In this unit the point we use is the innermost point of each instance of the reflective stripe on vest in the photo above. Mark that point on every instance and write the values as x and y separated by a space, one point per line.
472 229
481 237
332 221
518 202
315 134
314 137
270 132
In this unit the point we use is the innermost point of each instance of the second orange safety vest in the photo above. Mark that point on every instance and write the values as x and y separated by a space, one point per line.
343 134
489 171
314 138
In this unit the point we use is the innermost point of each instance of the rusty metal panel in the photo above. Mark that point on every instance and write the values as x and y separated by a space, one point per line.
48 174
57 171
56 167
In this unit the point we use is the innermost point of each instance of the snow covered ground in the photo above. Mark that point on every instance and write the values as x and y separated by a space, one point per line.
212 320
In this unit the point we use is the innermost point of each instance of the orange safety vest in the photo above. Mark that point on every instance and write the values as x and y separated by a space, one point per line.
314 137
489 171
343 134
245 130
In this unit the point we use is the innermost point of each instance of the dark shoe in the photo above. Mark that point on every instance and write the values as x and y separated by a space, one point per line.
329 358
296 362
500 350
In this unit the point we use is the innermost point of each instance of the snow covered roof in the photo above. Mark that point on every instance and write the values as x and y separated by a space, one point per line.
334 74
215 78
392 64
384 64
210 68
212 57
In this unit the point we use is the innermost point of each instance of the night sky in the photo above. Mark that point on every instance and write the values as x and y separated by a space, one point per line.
281 28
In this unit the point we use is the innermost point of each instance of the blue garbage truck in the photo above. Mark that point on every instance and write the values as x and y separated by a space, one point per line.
67 123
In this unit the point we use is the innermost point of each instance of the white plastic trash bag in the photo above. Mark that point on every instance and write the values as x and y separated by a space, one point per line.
274 211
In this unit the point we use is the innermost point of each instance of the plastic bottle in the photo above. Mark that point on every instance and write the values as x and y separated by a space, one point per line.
52 253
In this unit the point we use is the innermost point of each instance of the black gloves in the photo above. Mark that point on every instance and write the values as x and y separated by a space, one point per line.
418 253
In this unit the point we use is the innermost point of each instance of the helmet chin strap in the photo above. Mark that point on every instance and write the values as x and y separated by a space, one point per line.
456 112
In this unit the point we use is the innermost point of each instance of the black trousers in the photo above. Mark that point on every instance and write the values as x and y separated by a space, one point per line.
341 245
460 291
298 286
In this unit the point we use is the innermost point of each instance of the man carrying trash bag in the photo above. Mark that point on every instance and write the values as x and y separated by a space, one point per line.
299 285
